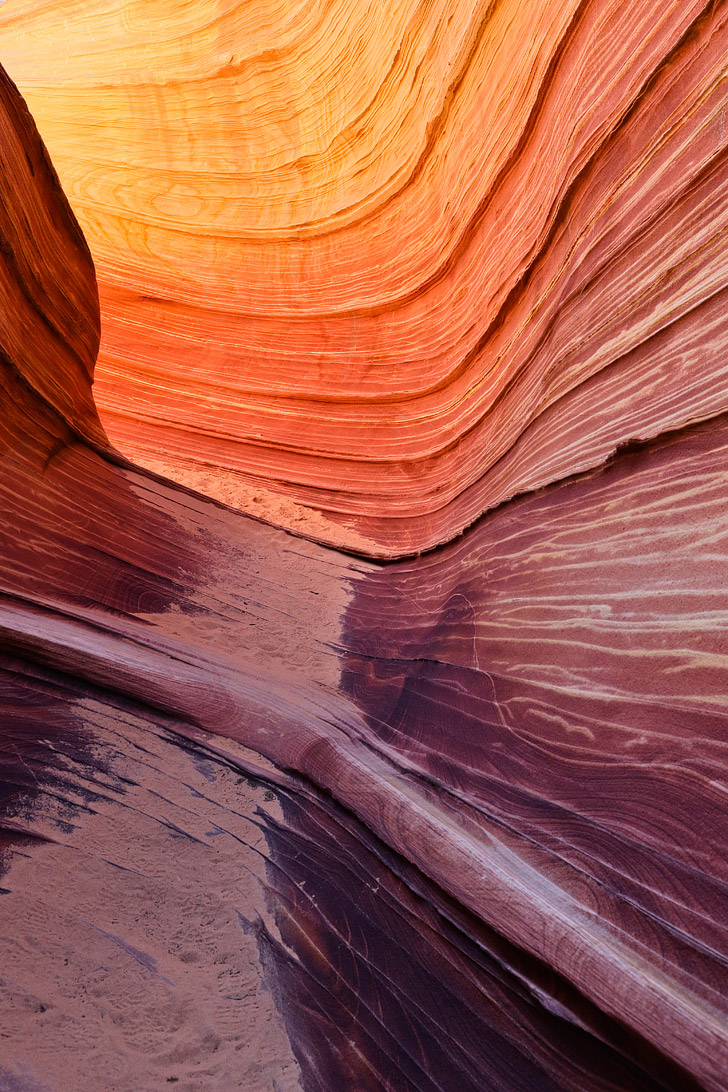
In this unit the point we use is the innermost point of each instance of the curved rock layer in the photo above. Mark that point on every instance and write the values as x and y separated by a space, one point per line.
49 314
392 262
274 817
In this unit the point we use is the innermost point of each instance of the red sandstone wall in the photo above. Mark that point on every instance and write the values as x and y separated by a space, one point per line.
273 816
394 263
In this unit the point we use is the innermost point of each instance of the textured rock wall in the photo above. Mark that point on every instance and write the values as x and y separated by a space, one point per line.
49 315
397 262
273 816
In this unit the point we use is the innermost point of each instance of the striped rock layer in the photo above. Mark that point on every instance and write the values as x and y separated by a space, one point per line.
275 816
368 270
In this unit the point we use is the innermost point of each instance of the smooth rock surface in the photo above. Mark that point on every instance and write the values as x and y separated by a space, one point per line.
278 817
369 270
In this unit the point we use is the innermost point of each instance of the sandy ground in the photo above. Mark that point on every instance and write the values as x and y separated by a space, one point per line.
127 964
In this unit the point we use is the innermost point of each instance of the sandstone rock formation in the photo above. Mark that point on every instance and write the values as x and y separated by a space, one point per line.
398 263
276 816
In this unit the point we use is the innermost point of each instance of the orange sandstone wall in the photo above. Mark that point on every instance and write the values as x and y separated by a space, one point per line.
392 262
276 817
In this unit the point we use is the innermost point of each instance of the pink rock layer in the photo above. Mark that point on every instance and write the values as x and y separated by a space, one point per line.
480 840
370 271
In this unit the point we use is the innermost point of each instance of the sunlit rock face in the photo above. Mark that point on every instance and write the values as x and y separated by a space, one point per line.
277 816
370 269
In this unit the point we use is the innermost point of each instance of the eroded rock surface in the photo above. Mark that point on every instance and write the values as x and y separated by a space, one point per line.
277 817
369 270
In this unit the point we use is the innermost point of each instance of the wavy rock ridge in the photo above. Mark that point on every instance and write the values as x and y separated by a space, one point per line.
396 263
278 817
